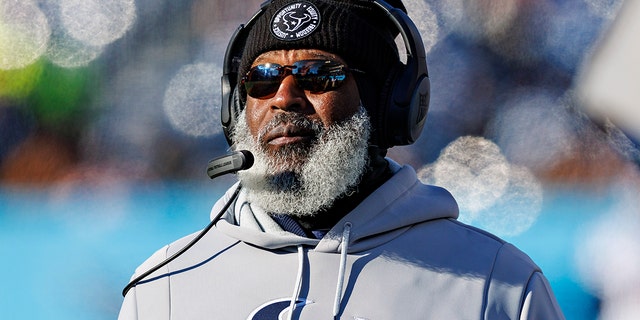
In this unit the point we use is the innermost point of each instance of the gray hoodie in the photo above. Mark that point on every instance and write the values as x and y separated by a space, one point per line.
400 254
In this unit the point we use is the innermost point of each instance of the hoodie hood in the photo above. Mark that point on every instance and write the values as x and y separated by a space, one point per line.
398 204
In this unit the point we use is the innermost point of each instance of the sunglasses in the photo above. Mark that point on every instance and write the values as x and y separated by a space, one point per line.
315 76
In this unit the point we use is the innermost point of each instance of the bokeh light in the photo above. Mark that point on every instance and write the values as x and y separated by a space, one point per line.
426 21
533 130
65 50
191 99
491 193
68 52
474 170
97 22
24 33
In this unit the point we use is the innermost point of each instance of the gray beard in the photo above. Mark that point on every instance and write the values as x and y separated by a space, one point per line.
303 180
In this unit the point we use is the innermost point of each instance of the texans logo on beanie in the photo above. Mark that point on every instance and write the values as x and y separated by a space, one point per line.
295 21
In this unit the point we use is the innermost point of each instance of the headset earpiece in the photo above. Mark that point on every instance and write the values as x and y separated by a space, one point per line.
408 101
406 110
227 116
234 110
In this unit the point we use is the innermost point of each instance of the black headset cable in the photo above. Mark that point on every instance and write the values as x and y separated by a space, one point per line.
202 233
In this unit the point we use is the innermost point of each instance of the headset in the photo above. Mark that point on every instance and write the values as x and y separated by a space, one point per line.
403 112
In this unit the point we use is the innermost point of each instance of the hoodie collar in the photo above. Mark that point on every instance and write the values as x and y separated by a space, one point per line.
386 213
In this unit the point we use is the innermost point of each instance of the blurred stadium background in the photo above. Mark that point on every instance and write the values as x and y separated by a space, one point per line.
109 114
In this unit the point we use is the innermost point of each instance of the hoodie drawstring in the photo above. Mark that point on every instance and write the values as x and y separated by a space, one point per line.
296 289
346 233
343 263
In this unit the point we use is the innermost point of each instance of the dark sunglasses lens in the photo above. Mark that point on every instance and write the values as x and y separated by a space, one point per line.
263 80
319 76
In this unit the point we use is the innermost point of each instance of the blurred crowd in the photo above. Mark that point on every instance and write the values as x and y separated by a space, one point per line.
94 93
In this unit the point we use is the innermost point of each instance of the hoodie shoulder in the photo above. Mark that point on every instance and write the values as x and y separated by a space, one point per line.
417 202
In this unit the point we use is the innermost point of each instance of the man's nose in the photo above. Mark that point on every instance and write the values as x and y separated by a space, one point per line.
290 97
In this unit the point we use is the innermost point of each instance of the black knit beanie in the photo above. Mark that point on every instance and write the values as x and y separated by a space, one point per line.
352 29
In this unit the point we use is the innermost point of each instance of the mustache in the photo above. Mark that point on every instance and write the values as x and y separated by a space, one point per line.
296 120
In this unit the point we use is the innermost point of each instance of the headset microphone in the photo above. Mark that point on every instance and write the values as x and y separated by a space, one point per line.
236 161
239 160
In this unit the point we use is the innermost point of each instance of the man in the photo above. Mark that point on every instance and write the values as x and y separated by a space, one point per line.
323 225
